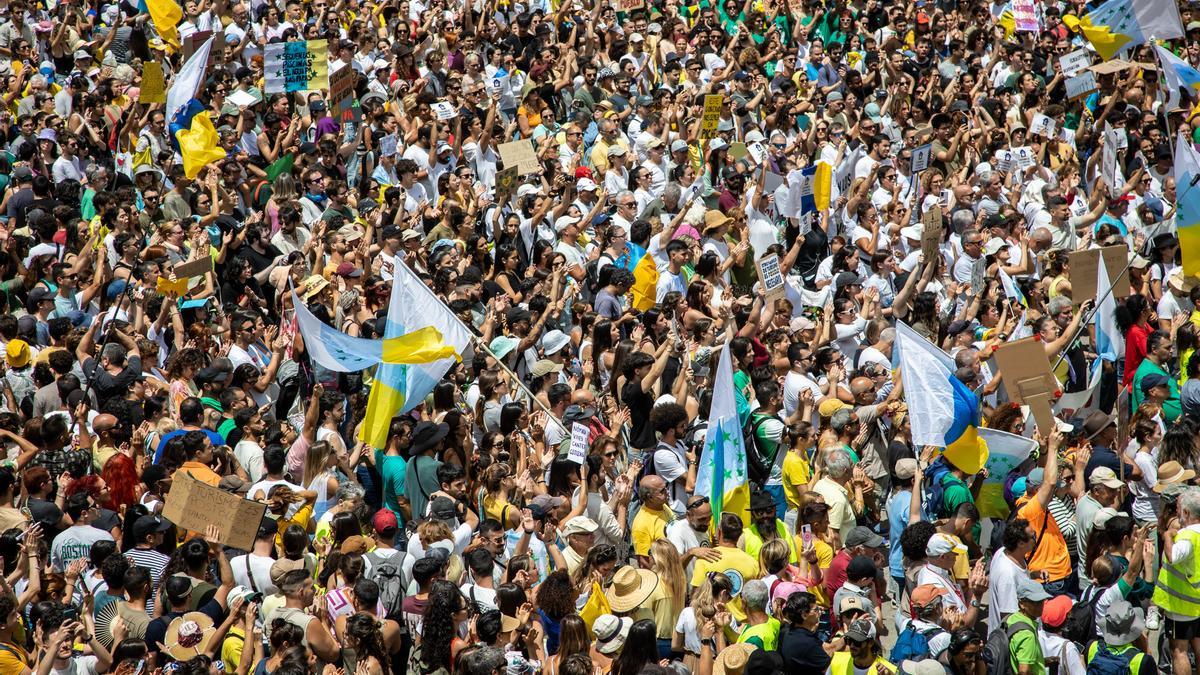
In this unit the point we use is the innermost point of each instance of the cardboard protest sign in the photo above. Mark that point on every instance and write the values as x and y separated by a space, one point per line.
1083 270
521 155
628 5
506 181
154 88
771 276
1028 379
194 506
341 91
931 236
194 268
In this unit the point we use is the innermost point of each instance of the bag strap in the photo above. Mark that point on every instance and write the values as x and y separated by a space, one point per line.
1038 542
250 573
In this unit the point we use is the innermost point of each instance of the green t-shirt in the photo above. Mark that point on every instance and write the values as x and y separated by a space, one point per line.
391 472
1170 408
954 493
1024 648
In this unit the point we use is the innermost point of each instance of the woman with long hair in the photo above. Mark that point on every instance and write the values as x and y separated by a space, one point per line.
366 639
714 591
441 638
1134 321
555 599
318 475
121 476
498 484
574 638
605 336
667 601
181 368
640 650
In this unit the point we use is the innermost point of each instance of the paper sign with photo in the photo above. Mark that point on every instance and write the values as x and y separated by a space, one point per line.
1024 156
1043 125
771 276
920 157
444 110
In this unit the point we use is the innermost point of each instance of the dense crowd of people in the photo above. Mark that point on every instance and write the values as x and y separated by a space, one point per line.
551 503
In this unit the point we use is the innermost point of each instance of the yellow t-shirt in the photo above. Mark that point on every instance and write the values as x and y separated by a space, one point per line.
301 518
231 649
13 659
796 473
825 555
733 563
648 526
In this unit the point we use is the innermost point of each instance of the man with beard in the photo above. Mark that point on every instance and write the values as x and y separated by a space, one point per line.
690 533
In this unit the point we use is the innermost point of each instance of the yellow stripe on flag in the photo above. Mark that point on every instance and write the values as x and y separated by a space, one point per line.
199 145
822 185
420 346
645 283
382 404
1189 248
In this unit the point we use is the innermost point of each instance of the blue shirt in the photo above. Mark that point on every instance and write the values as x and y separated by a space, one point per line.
213 437
897 508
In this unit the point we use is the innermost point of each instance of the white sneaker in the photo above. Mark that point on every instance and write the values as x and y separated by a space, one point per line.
1153 618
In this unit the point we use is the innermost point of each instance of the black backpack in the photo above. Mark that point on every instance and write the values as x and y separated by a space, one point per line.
1080 624
759 461
996 652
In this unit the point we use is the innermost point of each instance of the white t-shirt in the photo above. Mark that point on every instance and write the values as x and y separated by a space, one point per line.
1070 661
260 567
484 598
250 455
670 463
684 538
793 384
1003 575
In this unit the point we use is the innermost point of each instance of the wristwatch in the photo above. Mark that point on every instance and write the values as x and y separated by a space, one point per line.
712 644
975 603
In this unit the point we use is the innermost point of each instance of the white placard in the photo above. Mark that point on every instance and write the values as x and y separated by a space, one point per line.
1005 160
1081 85
387 145
1024 157
920 157
1043 125
771 275
1108 156
444 110
1074 63
796 180
579 443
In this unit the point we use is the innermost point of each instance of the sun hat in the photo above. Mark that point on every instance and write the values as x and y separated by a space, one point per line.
426 435
1123 623
1170 473
503 344
733 659
188 635
1102 475
553 341
630 588
314 285
610 632
579 525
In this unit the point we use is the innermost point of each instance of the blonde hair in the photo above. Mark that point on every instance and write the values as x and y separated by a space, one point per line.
664 561
432 531
704 601
773 557
314 462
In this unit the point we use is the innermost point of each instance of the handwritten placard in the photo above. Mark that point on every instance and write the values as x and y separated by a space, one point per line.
771 276
1081 85
628 5
506 181
193 506
1074 63
712 115
341 91
153 88
578 450
521 155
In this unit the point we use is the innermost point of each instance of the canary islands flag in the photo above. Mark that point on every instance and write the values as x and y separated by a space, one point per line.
1177 74
1117 25
722 475
645 283
400 387
942 411
190 126
166 15
1187 214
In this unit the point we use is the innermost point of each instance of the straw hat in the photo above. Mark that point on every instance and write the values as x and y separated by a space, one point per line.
630 588
313 285
733 659
188 635
1170 473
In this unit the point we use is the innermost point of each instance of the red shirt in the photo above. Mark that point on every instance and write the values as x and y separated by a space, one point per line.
1135 350
835 576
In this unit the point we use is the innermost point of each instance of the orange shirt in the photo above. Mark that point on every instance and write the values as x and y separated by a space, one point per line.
1051 555
201 472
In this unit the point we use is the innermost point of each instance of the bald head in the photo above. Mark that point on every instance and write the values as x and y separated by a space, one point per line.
1040 238
652 491
861 385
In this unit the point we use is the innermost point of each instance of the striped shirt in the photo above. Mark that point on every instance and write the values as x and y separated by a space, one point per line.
153 561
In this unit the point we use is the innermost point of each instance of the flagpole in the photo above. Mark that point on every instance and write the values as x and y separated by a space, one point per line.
1087 322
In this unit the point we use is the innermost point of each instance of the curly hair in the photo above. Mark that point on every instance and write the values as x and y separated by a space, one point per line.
556 595
439 626
1006 417
915 538
368 638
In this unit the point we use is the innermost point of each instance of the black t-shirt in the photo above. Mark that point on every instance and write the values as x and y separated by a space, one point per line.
259 261
801 651
47 514
640 403
107 385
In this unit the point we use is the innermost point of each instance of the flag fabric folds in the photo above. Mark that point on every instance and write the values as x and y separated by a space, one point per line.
1109 344
188 80
199 144
722 475
942 411
1177 74
344 353
1118 25
398 388
1187 214
166 15
645 283
1005 452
